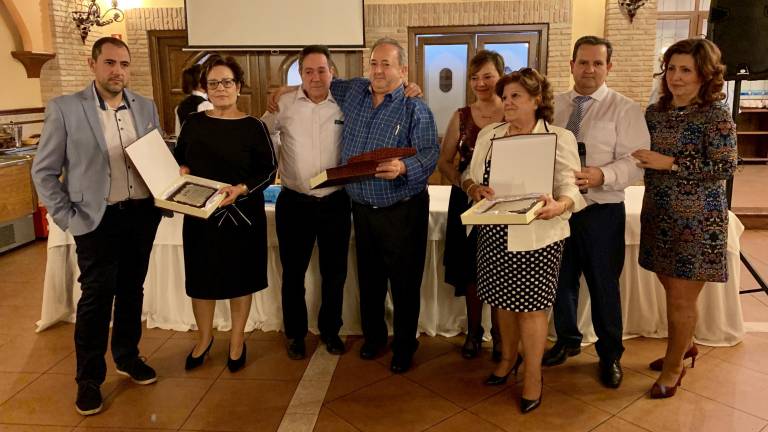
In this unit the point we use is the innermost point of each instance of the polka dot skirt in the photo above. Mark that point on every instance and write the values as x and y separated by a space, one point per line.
516 281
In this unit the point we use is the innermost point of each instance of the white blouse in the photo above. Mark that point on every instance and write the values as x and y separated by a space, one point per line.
539 233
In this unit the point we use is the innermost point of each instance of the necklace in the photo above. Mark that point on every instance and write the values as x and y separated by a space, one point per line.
517 131
485 116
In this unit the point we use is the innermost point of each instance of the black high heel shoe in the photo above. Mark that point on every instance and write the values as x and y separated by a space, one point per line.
472 344
528 405
236 365
495 380
193 362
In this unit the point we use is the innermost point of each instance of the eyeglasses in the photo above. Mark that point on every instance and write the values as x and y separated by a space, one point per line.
226 82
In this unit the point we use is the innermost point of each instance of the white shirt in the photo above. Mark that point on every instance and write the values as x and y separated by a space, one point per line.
613 126
309 142
120 132
538 233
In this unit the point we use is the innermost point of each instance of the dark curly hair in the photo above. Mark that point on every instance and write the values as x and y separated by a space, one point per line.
230 62
707 58
535 84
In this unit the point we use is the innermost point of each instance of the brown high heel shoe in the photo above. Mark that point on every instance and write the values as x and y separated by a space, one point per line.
660 391
658 364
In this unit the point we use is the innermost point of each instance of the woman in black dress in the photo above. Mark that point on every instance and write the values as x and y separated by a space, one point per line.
225 256
485 69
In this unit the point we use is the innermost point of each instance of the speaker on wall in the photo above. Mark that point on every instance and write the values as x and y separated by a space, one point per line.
740 29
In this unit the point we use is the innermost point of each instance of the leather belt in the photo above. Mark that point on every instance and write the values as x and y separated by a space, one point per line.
131 203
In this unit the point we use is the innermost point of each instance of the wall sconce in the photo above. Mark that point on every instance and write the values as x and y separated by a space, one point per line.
630 7
85 19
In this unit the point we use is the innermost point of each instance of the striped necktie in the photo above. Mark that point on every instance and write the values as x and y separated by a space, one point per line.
574 121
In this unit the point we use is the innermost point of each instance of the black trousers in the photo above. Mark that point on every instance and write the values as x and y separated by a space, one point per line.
113 261
595 248
391 248
300 220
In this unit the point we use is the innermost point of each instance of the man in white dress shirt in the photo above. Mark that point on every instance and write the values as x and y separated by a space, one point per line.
310 125
611 127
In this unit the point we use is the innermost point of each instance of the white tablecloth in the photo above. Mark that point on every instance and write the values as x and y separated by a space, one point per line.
167 306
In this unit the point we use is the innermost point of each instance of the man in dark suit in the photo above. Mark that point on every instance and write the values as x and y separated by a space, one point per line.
90 187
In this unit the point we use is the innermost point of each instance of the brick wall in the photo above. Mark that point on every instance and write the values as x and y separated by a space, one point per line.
393 20
68 72
633 50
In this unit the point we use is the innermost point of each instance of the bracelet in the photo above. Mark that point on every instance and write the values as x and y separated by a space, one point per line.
470 188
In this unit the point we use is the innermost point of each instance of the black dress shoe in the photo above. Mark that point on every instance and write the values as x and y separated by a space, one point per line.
370 350
297 350
558 354
333 344
528 405
401 363
494 380
611 373
236 365
193 362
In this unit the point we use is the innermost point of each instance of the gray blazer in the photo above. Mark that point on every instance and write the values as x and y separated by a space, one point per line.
71 169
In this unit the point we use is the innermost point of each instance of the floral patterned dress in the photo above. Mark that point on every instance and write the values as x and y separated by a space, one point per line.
684 221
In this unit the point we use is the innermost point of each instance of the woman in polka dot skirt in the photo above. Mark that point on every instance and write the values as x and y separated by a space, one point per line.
518 265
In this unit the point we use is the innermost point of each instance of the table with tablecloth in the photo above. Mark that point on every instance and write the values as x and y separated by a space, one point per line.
167 306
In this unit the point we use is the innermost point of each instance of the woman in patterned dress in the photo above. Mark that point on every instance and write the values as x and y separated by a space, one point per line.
518 265
485 69
684 221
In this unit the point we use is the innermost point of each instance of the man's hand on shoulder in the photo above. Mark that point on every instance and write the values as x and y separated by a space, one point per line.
274 96
413 90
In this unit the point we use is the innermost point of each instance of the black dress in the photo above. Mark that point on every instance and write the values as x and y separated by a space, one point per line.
225 256
460 248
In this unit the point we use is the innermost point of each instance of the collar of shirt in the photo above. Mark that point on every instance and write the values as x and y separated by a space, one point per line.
540 127
124 104
397 93
199 93
301 95
598 95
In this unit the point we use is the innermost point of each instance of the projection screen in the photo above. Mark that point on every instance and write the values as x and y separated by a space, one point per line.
274 23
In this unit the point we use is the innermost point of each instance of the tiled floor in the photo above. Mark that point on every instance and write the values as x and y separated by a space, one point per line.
727 391
749 181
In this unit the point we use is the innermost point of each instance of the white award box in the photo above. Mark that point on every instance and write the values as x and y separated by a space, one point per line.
160 172
522 169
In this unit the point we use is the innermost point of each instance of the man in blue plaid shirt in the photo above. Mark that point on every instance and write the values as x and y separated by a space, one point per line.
390 211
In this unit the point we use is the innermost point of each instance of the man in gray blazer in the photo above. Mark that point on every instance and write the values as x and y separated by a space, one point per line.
90 187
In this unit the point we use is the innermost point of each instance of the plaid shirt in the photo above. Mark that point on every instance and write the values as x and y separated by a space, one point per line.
397 122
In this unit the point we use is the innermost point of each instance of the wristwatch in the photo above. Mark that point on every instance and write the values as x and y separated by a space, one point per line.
674 167
245 188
